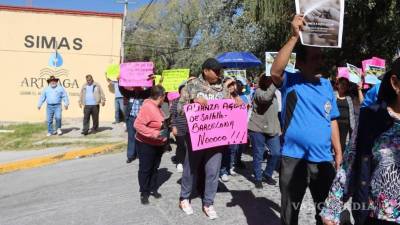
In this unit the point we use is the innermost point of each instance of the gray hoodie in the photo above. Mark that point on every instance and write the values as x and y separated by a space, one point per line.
264 117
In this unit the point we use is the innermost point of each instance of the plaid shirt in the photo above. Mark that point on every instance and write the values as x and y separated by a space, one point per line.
136 104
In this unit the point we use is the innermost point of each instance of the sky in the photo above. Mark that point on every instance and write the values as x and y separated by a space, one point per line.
86 5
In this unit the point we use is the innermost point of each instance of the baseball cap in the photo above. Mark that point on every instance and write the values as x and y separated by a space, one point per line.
211 64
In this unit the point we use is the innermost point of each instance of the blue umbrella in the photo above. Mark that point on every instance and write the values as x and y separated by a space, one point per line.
240 60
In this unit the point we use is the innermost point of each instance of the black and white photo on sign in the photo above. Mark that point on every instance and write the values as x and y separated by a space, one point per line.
324 22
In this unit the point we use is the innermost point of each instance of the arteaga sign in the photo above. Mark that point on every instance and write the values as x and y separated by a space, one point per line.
36 46
46 42
54 68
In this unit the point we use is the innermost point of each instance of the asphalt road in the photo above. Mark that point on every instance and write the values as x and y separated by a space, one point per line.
103 190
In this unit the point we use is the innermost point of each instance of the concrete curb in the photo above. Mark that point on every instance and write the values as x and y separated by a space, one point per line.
54 158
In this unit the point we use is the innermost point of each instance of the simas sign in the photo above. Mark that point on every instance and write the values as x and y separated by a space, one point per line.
39 81
45 42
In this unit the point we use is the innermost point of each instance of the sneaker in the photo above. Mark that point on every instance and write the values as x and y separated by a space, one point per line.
269 180
179 168
232 171
259 185
225 178
144 199
210 212
59 131
49 134
186 207
84 133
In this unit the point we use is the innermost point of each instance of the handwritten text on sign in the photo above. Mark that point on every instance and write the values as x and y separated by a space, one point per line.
173 78
136 74
219 123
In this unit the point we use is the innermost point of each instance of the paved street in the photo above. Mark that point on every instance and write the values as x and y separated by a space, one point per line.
103 190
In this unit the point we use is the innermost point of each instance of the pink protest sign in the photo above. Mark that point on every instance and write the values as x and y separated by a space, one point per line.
378 62
172 96
219 123
136 74
366 63
374 61
343 72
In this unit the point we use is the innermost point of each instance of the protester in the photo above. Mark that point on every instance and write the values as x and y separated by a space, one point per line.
54 95
310 127
151 136
225 171
264 130
120 108
166 109
346 107
370 170
179 130
135 97
91 97
237 150
206 87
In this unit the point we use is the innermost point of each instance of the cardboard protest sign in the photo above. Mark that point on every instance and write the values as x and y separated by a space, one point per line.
270 58
173 78
112 72
324 22
136 74
219 123
235 73
354 74
157 79
172 96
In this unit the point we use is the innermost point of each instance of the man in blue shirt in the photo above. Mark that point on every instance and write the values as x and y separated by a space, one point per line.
120 108
310 129
91 97
54 94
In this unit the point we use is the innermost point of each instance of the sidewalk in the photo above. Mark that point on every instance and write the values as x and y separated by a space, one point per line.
47 159
12 156
72 144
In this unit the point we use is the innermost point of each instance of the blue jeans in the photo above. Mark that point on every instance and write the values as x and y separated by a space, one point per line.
131 151
119 109
230 157
259 140
53 112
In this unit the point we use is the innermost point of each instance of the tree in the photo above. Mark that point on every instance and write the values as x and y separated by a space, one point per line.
371 28
184 33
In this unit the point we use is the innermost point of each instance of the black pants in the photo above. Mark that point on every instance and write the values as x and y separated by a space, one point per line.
149 162
295 176
93 111
181 149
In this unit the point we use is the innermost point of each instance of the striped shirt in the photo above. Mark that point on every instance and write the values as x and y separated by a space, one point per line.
178 120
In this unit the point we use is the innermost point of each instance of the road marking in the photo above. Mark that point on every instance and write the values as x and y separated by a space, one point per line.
54 158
